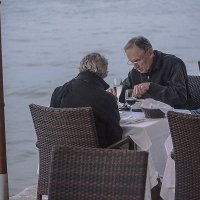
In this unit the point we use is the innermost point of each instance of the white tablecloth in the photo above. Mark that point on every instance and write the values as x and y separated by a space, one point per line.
150 136
168 184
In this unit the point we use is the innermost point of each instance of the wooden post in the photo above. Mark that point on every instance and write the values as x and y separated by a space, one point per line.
199 64
3 163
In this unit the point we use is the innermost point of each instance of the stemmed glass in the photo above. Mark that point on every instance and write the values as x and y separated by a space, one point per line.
117 86
129 98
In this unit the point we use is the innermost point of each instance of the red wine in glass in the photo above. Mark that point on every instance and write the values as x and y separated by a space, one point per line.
129 98
130 101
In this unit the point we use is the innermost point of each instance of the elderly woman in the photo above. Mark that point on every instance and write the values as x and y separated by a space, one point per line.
89 89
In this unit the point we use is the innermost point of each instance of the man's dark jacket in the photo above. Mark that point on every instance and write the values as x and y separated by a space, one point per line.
168 80
88 89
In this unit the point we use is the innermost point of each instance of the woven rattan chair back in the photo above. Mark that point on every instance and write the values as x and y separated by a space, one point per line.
185 132
60 126
194 88
97 174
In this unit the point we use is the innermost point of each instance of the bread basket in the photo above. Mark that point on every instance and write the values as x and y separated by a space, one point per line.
153 113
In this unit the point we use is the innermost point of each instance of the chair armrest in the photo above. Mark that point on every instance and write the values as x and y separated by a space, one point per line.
126 140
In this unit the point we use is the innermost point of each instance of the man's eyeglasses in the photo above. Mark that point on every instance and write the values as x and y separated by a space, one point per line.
133 62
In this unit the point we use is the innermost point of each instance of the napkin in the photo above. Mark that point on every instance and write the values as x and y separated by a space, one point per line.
129 117
137 105
153 104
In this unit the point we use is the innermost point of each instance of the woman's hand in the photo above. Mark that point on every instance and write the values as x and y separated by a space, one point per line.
112 91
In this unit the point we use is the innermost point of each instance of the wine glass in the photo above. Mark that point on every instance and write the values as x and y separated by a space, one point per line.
117 86
129 98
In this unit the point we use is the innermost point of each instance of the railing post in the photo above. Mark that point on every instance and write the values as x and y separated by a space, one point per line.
4 194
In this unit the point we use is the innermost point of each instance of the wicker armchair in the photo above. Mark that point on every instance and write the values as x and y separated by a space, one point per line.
97 174
193 84
185 132
63 126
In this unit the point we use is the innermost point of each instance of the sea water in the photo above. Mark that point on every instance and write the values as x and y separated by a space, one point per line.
43 42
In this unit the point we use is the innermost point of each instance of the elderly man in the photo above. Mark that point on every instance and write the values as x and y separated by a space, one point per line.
156 75
89 89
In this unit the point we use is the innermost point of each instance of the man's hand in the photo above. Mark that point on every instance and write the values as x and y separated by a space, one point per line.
140 89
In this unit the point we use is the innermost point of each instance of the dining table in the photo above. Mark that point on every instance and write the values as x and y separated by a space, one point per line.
153 135
149 135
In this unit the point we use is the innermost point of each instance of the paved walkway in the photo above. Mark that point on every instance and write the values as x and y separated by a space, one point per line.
27 194
30 194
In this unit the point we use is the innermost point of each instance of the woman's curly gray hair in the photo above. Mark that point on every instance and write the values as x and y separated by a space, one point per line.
96 63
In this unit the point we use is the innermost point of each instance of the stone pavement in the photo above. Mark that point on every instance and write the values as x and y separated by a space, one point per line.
27 194
30 194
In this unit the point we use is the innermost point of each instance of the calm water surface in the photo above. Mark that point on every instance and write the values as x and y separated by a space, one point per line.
44 40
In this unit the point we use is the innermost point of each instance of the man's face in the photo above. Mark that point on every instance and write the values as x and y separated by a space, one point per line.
140 59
